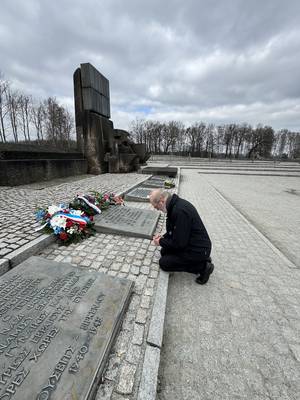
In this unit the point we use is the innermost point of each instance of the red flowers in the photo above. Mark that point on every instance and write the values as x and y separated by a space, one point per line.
69 223
63 236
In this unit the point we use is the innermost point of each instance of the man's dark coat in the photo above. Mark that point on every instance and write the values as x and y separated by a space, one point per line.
185 230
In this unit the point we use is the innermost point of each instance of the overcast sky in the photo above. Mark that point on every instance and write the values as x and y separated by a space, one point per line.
218 61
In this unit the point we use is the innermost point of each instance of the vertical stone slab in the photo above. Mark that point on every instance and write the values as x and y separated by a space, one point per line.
78 106
95 89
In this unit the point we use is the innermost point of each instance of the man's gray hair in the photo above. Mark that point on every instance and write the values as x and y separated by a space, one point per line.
157 194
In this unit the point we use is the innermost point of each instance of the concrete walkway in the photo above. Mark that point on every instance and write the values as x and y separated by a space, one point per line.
238 337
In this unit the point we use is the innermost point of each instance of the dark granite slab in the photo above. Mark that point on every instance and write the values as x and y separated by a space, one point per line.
157 182
160 178
139 193
153 183
160 170
57 325
129 221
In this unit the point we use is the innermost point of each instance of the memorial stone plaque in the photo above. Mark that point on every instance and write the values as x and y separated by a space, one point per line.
129 221
57 324
161 170
160 178
157 182
152 183
140 193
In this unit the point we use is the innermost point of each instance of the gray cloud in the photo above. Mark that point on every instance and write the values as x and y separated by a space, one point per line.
218 61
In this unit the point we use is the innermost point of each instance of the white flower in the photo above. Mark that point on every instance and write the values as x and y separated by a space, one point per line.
58 220
77 212
72 230
53 209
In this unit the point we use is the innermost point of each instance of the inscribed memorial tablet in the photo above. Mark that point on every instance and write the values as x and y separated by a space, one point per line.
155 184
140 193
128 221
57 324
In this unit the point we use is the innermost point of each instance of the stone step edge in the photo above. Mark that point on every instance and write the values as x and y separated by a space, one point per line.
19 255
148 383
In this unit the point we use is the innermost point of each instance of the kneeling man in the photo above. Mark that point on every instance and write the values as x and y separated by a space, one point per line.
186 245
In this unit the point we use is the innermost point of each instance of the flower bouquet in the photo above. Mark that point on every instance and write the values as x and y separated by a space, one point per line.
67 224
95 202
169 185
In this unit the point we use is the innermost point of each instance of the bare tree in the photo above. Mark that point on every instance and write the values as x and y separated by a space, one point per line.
137 130
170 134
210 140
3 106
240 137
12 100
260 141
38 117
152 135
229 137
193 133
293 144
23 113
58 122
220 138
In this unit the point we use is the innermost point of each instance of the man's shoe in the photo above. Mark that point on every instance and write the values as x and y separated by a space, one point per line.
204 277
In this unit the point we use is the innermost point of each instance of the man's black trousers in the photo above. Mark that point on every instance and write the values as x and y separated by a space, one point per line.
189 262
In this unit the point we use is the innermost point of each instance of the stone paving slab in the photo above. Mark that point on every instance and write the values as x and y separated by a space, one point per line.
238 337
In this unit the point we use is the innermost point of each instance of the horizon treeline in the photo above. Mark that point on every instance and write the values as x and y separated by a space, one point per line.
25 119
209 140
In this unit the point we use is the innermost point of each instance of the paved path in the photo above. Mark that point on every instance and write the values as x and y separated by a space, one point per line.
272 204
238 337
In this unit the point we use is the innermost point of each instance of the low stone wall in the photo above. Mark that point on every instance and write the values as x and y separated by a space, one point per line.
38 155
20 172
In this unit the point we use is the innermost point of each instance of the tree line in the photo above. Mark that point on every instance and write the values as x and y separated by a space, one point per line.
24 119
210 140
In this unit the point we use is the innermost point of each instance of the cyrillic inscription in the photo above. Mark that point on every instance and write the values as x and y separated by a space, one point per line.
129 221
139 194
53 324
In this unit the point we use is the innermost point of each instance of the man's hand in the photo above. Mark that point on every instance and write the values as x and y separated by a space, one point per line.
156 239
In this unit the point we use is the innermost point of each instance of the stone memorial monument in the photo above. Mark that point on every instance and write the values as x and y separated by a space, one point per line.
57 324
154 184
105 148
127 221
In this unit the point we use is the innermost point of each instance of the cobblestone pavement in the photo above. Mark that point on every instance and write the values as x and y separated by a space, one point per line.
272 204
116 255
18 204
134 259
238 337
